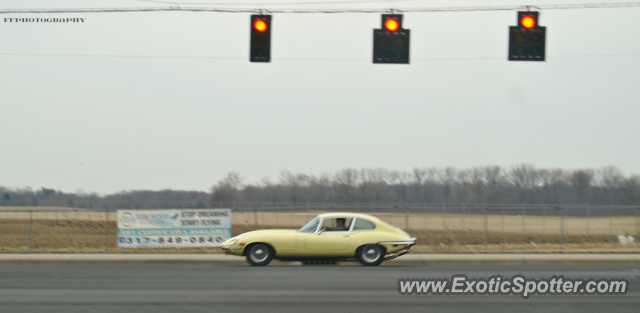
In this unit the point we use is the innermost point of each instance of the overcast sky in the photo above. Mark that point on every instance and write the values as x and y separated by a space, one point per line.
90 118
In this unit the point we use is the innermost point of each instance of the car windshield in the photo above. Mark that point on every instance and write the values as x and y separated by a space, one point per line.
311 226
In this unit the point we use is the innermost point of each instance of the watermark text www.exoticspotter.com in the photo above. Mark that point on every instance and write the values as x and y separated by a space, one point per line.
44 20
460 284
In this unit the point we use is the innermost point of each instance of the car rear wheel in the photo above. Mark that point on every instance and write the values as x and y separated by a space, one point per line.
371 255
259 254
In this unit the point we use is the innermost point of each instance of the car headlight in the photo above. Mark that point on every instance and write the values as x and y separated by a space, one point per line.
232 241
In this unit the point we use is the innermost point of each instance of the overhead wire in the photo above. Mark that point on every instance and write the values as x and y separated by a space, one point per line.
178 8
273 3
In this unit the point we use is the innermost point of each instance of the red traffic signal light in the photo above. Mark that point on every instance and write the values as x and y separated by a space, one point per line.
391 24
391 41
528 22
260 25
527 40
260 38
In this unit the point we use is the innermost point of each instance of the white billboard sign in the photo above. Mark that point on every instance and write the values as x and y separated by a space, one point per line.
184 228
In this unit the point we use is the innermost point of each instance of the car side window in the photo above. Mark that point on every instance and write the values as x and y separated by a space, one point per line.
362 224
337 224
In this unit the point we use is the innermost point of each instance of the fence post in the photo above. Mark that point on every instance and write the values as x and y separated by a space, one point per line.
106 230
638 227
277 213
293 215
561 228
424 207
255 218
502 216
524 224
588 217
462 219
444 223
610 221
544 218
30 230
406 218
486 229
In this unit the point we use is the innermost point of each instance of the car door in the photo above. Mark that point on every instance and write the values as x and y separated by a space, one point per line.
327 242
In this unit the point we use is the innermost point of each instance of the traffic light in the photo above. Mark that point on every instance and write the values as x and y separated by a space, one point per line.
260 38
527 40
391 41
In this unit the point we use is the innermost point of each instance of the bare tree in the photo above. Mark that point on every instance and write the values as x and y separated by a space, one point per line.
581 183
227 189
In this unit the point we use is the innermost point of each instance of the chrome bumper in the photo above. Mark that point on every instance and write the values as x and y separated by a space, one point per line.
410 243
391 257
231 248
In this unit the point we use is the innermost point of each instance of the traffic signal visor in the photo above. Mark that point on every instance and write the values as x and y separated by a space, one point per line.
528 22
260 25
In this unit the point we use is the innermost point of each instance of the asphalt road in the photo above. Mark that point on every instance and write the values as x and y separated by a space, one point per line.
320 288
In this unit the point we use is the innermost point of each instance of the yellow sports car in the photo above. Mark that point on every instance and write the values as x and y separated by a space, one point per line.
331 236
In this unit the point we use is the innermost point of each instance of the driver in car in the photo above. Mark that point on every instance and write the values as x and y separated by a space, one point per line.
340 225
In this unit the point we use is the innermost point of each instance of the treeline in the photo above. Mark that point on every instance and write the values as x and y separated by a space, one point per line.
137 199
488 184
521 184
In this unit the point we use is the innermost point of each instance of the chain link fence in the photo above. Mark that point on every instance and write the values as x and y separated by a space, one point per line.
439 228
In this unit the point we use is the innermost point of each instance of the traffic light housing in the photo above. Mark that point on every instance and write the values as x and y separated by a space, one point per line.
260 38
391 41
527 40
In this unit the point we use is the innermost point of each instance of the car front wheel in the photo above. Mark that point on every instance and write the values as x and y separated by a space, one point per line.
259 254
371 255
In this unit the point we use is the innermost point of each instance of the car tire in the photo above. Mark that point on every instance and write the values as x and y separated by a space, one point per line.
259 254
371 255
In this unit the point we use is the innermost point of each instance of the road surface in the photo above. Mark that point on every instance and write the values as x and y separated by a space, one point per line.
319 288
